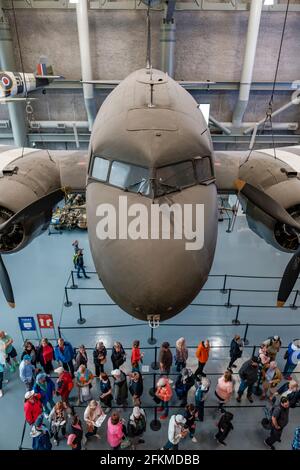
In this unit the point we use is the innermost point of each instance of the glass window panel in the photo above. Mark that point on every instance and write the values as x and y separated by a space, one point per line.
131 177
176 176
203 169
100 168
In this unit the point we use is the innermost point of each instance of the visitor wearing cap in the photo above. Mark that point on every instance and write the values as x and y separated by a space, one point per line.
64 384
164 393
33 407
165 358
248 374
91 415
136 426
46 388
10 353
279 420
45 355
176 432
136 386
27 372
120 387
80 265
271 377
64 353
202 355
183 384
81 357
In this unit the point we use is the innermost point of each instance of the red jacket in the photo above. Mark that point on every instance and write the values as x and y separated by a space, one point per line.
202 353
135 355
33 411
64 385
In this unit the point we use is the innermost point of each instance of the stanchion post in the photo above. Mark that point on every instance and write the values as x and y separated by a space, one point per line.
67 302
155 424
155 365
253 351
59 331
152 340
224 290
228 304
236 320
245 340
293 305
80 320
73 286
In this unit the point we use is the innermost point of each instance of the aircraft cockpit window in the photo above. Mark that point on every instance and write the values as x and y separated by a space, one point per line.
100 168
132 178
175 177
203 169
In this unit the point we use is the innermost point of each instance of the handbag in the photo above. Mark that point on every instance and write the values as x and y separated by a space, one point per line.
125 443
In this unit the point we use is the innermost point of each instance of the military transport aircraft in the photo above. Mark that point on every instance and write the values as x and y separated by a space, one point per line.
14 86
151 144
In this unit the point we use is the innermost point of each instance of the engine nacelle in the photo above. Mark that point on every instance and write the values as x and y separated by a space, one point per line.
26 180
287 193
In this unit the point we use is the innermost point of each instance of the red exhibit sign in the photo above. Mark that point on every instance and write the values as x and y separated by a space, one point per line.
45 320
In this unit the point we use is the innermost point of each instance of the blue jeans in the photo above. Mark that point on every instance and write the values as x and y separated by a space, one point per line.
169 446
81 268
242 388
289 368
200 409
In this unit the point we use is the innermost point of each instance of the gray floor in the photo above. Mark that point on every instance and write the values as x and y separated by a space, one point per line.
41 270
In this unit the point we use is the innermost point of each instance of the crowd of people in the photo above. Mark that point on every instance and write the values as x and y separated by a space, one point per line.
50 373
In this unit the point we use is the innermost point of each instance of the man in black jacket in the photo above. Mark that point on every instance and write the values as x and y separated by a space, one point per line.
248 374
236 350
280 418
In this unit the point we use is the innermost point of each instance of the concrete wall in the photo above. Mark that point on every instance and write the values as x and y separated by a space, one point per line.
210 45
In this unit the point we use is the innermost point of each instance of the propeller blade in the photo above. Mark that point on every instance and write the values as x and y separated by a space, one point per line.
6 285
289 278
41 205
266 203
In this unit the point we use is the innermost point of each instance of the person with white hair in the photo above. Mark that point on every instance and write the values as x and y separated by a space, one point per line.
120 387
271 377
176 432
136 426
181 354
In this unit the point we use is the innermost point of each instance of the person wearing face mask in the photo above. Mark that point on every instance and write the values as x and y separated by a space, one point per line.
118 355
136 387
164 393
136 426
176 432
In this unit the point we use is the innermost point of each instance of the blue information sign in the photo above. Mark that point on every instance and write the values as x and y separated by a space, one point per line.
27 323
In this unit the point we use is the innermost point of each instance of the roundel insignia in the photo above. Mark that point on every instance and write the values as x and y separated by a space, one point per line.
6 83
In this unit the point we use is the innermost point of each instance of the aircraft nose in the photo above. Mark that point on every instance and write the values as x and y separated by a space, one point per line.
152 276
